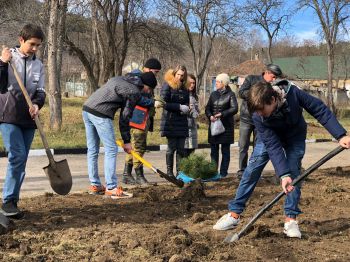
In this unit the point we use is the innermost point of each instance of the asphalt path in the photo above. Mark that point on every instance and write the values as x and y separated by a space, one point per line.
36 183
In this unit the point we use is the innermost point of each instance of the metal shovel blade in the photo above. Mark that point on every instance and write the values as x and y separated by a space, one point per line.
59 176
4 223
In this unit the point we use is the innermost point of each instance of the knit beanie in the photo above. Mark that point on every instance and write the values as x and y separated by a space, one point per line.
153 63
149 79
223 78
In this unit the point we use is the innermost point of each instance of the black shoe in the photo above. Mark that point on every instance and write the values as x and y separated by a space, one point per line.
128 179
140 177
170 164
239 174
10 209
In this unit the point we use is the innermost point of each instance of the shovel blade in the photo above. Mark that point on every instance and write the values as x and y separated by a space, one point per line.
59 176
4 223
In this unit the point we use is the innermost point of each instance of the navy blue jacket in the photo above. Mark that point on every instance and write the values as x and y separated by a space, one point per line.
173 122
287 125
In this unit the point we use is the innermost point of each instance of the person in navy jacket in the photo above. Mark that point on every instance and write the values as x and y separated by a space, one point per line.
281 133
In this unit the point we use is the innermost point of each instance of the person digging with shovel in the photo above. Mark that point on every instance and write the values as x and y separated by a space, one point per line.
281 133
121 92
16 118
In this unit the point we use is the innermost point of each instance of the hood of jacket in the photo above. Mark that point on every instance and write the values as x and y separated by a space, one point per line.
134 79
172 82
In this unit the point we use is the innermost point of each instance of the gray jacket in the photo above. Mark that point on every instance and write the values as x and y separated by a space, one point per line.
119 92
13 106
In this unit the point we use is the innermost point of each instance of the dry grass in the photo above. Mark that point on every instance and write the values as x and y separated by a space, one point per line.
72 134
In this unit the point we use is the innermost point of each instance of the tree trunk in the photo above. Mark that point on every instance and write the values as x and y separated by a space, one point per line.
61 31
55 101
330 64
269 57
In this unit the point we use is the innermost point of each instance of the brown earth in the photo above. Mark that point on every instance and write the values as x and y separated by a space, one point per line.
164 223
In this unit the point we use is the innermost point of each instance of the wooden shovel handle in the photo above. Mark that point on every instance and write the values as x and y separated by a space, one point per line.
36 118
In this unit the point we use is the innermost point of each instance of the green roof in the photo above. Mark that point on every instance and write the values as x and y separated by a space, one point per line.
311 67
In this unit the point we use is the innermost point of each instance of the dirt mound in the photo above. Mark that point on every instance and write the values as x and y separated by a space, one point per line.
193 191
165 223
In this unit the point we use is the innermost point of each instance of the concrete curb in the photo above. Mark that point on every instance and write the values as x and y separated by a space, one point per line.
79 151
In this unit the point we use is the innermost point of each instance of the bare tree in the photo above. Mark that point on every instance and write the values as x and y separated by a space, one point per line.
57 10
270 15
332 14
112 25
203 21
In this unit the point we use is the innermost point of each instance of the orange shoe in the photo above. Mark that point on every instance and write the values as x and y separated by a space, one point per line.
97 190
117 193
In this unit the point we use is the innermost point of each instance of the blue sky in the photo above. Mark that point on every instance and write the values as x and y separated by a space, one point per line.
305 25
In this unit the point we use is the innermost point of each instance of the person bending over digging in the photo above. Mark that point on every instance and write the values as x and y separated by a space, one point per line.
98 113
17 123
281 133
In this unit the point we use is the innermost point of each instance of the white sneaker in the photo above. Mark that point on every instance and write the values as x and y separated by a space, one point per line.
291 229
226 222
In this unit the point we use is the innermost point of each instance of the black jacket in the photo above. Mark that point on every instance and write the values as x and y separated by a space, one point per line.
174 123
222 101
250 80
119 92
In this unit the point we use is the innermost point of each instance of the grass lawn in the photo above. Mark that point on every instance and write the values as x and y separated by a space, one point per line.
72 133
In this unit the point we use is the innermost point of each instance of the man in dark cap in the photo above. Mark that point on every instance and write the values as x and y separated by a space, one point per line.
141 122
152 65
122 92
246 126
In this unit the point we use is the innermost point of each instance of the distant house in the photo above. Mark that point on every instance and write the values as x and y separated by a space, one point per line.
250 67
313 71
309 73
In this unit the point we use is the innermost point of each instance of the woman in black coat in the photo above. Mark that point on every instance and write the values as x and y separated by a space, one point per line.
176 108
222 104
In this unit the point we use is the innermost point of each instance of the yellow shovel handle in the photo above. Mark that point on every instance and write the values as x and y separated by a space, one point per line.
136 155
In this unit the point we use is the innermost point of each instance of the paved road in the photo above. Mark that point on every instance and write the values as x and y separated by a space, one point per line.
36 183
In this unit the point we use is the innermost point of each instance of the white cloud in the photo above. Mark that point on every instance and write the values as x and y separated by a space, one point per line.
310 34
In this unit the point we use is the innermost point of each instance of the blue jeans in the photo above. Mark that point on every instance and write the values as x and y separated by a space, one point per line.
17 142
252 173
101 129
225 162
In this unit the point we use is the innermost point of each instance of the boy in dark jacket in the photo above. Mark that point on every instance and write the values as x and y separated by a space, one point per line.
16 118
281 137
98 114
141 122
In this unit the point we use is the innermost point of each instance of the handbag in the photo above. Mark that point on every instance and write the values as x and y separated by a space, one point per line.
139 118
217 128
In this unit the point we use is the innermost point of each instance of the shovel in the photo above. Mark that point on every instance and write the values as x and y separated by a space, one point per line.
58 172
4 223
171 179
236 236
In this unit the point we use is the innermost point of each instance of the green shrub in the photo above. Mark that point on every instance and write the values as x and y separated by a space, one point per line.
197 166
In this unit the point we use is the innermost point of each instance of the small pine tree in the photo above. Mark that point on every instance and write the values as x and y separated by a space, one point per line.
197 166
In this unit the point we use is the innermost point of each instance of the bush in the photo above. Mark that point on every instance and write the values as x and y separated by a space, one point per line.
197 166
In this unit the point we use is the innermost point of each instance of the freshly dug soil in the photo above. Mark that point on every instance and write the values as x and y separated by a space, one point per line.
165 223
